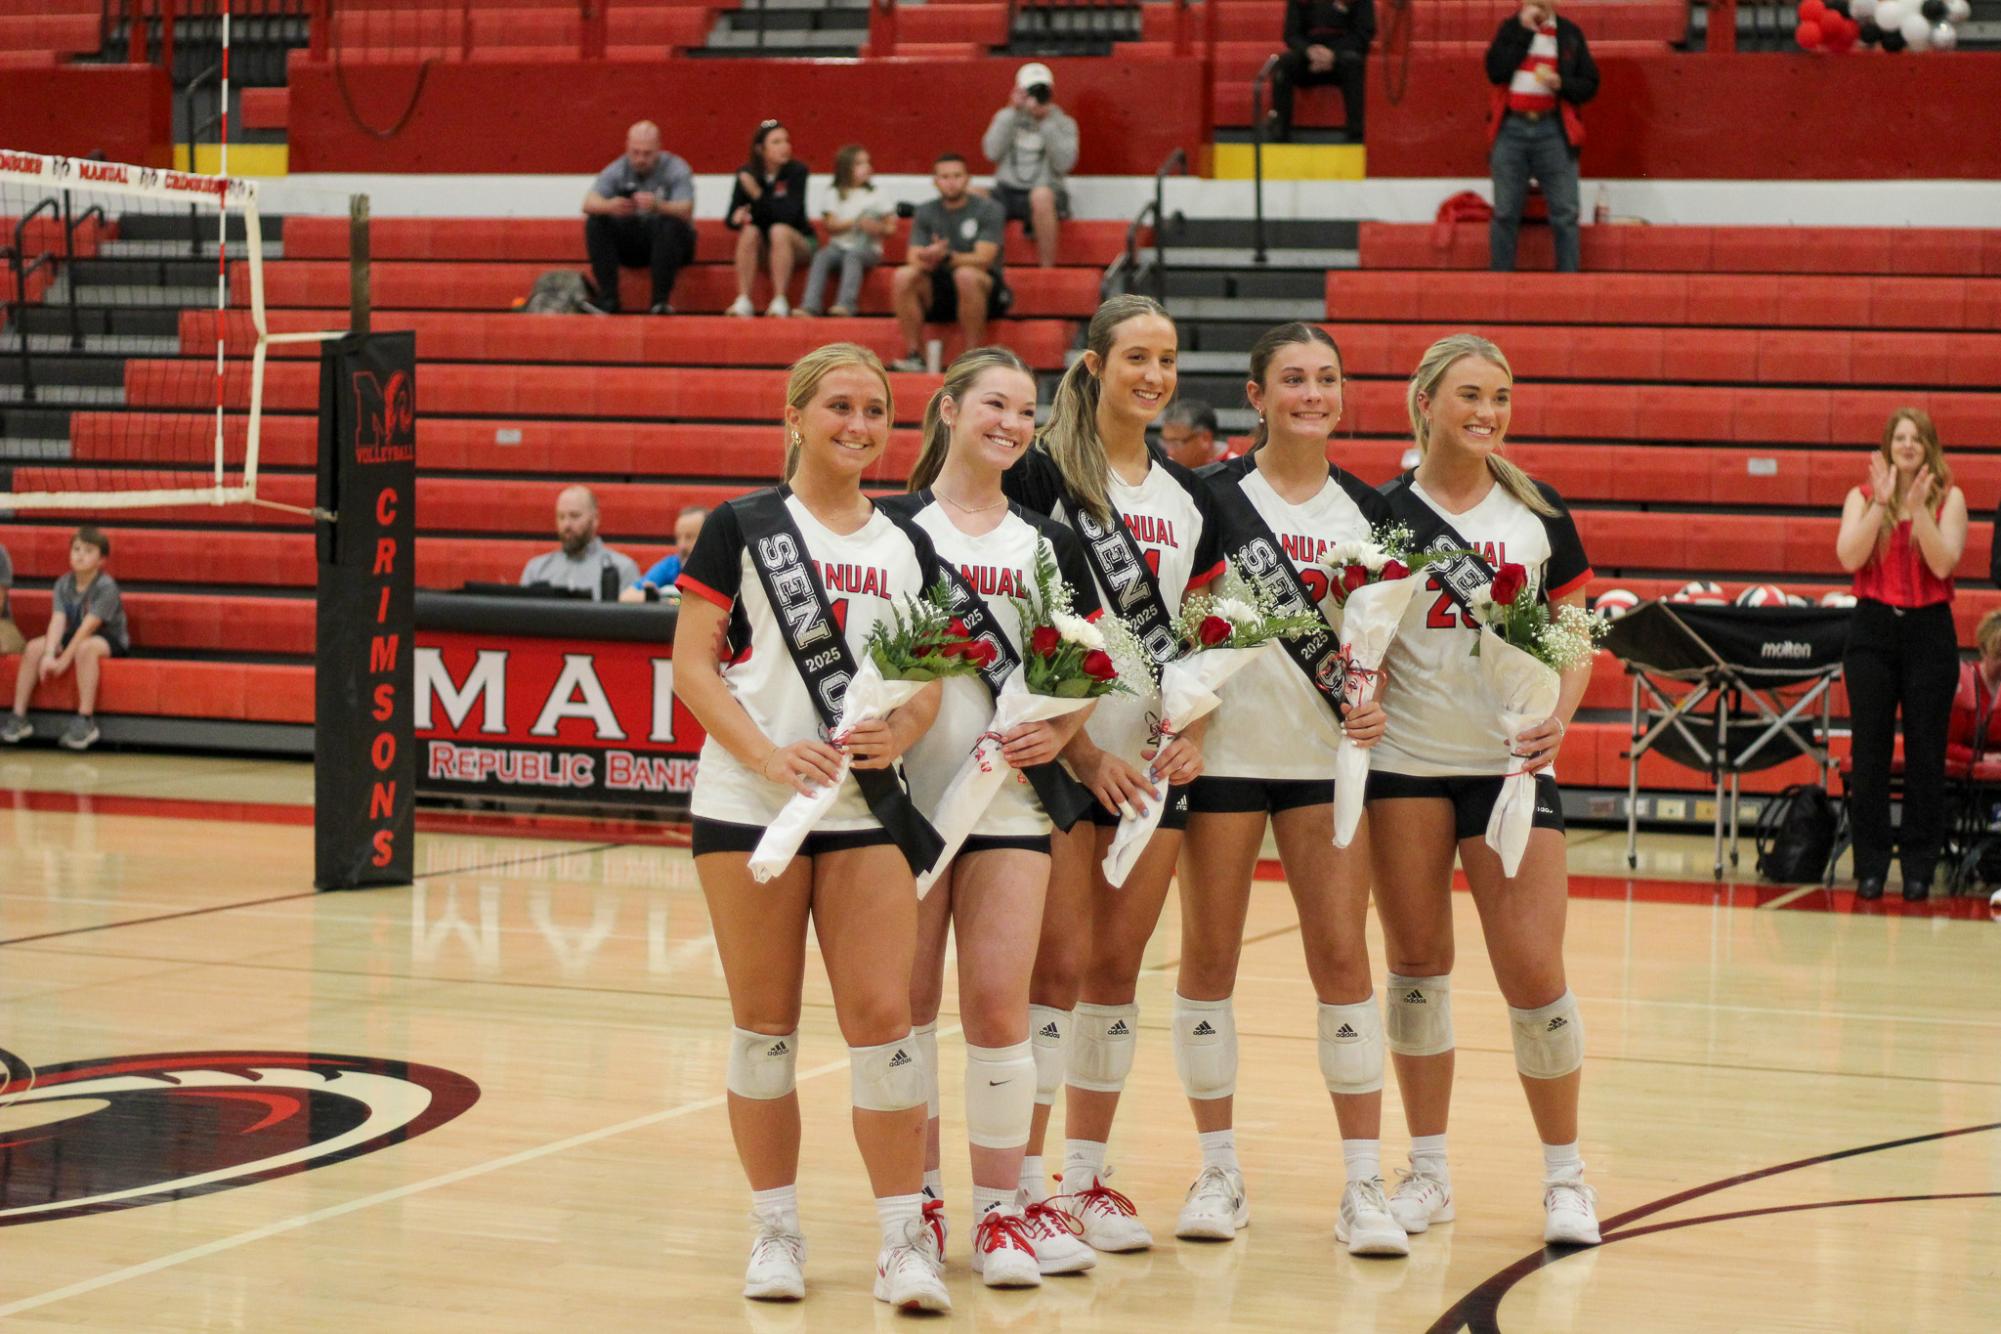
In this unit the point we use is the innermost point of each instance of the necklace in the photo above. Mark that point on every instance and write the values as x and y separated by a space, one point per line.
968 509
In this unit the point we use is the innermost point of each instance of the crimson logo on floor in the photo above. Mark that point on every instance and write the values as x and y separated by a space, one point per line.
86 1137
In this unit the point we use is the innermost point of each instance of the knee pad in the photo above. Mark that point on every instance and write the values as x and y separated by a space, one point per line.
1549 1040
1351 1047
1048 1029
926 1038
1000 1095
1419 1022
889 1078
1104 1052
1205 1047
762 1064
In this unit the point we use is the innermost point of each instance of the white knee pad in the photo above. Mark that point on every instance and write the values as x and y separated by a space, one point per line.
926 1037
1000 1095
889 1078
1351 1047
1205 1047
1549 1040
1048 1030
1103 1054
1419 1021
762 1064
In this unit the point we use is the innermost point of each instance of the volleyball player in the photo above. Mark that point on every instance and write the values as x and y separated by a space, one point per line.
979 424
1280 508
1435 777
784 583
1149 534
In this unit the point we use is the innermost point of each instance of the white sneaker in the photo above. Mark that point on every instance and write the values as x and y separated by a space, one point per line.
1570 1213
1108 1221
1217 1208
779 308
1053 1233
1365 1224
741 308
907 1274
777 1271
1420 1200
1003 1254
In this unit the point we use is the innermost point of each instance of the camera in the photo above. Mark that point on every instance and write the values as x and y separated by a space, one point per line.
1040 92
905 209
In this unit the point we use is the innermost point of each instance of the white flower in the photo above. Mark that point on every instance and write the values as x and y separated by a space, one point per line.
1363 551
1076 630
1236 611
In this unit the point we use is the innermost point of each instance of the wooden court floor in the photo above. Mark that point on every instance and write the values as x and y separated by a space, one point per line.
506 1083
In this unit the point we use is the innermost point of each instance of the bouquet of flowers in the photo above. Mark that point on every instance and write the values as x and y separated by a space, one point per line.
1524 648
1371 579
1221 634
1069 662
921 642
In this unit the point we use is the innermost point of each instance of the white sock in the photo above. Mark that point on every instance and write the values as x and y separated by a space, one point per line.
896 1213
1034 1183
1428 1153
1083 1163
934 1182
1561 1162
779 1201
1219 1148
988 1198
1364 1159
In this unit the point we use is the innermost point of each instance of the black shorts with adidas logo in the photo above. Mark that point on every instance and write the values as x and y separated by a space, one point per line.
1472 797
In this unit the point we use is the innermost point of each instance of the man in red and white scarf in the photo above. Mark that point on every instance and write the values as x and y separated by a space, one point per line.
1542 72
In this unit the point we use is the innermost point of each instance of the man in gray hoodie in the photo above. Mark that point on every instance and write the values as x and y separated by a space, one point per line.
1032 143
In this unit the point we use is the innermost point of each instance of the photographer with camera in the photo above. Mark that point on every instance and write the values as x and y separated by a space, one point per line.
640 212
1032 143
952 271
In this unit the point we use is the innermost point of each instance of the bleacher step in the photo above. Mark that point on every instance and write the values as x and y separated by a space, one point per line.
1241 257
1290 162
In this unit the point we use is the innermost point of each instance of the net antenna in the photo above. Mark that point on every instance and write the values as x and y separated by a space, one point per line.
106 399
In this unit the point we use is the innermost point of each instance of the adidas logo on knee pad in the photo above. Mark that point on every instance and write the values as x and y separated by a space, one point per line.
1050 1030
1556 1023
1413 997
1345 1031
901 1058
1205 1030
777 1048
1118 1030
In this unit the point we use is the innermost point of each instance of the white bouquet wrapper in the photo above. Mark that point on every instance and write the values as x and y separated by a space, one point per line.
869 699
1188 689
1526 689
1368 625
979 779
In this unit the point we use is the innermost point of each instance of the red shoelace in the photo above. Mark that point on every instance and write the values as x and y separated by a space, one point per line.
933 1217
998 1231
1040 1213
1106 1198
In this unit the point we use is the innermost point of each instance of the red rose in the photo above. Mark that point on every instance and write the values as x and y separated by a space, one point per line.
1395 569
923 650
957 629
1353 578
1098 664
1509 581
982 653
1045 641
1213 630
960 648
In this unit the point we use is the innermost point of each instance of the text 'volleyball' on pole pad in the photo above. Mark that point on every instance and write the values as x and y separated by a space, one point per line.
364 770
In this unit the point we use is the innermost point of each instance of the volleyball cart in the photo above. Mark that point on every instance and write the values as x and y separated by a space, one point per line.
1728 691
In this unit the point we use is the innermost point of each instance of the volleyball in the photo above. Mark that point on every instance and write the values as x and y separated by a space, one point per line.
1615 602
1763 595
1702 593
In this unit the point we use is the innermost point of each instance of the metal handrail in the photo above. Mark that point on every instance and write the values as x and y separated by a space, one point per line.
1128 266
21 274
1266 74
1177 162
69 258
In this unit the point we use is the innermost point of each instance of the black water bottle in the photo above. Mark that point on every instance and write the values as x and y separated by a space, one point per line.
607 582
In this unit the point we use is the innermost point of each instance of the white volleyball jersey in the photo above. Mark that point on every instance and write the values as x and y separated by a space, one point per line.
1442 721
862 573
1272 723
998 565
1170 515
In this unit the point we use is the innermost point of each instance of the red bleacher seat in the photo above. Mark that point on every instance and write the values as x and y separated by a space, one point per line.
1847 251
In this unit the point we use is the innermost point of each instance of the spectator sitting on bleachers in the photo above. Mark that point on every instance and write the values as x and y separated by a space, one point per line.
10 633
640 212
1974 733
1188 434
768 212
1542 71
955 268
659 581
857 217
584 561
1032 143
86 626
1326 41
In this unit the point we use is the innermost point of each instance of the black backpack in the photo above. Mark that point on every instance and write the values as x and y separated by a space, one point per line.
1796 835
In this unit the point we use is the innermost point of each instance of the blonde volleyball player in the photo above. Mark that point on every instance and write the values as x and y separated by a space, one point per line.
779 594
1149 533
1280 508
978 425
1434 779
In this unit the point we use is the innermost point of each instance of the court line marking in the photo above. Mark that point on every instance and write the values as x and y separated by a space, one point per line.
297 1221
1797 894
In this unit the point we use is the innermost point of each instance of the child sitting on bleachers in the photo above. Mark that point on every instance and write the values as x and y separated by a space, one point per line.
857 219
86 626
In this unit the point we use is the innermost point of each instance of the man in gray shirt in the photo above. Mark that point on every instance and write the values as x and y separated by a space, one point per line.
1032 143
10 634
640 212
953 270
583 561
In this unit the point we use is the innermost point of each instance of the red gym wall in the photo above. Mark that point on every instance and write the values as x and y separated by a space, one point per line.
1737 117
506 118
124 112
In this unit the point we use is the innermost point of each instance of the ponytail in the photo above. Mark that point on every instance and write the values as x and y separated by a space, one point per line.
804 381
1440 357
960 377
1071 438
1269 344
